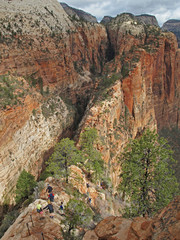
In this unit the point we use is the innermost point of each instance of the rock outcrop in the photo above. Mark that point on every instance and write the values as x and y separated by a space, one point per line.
30 224
106 19
143 18
166 225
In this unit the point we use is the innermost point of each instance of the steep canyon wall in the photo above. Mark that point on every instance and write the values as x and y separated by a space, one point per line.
145 93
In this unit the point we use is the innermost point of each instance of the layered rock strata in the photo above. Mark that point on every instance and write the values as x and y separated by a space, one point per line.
39 42
27 133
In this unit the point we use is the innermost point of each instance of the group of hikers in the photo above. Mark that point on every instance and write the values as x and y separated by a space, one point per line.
49 205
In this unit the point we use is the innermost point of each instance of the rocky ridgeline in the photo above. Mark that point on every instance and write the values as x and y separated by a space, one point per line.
143 18
31 225
63 192
147 19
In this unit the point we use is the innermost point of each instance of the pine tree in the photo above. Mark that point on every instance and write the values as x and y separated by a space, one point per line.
93 157
65 154
148 181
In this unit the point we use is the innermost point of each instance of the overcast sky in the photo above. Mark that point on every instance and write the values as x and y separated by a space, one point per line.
163 10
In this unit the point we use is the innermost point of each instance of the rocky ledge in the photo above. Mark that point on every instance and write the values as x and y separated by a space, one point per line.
165 225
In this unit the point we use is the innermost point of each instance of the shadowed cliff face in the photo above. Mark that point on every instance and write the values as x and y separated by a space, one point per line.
74 60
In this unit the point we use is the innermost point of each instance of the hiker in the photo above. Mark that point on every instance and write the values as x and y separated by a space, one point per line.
50 208
40 210
87 185
89 200
51 197
61 208
49 188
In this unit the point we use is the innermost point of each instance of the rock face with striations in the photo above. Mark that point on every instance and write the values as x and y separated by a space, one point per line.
173 25
54 55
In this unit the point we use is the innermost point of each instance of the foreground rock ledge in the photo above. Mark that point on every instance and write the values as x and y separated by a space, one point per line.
165 225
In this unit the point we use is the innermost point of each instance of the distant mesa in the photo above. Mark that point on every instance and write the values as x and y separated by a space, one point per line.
173 25
147 19
106 19
79 14
144 18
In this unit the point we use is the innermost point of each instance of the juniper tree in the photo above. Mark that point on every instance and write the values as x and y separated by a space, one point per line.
148 181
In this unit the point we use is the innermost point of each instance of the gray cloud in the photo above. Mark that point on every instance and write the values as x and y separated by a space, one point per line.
163 10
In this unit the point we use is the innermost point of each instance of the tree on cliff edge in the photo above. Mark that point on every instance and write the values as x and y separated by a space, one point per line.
148 181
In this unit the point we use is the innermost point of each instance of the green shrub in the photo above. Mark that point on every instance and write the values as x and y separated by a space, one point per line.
77 213
25 186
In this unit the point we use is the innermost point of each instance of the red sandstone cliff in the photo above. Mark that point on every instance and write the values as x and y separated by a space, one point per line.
145 93
39 40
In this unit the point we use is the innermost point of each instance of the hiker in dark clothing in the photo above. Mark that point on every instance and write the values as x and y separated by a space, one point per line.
49 188
50 208
51 197
61 208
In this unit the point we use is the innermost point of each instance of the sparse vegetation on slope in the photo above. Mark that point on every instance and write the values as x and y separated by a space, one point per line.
12 91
